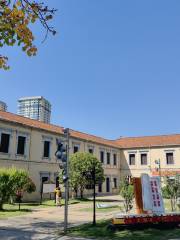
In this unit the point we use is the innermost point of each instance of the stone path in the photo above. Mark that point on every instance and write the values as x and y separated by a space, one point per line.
44 223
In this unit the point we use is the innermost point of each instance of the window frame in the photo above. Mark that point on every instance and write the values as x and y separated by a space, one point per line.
172 163
17 146
91 150
102 159
108 158
5 133
27 145
114 159
49 149
115 182
130 160
50 140
141 155
75 146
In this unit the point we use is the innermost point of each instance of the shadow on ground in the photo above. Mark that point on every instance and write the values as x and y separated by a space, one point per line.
46 230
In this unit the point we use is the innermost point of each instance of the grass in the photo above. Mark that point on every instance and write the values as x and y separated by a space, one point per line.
100 231
110 209
12 210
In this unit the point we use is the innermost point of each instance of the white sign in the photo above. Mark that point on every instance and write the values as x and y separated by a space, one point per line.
151 194
157 200
146 193
48 187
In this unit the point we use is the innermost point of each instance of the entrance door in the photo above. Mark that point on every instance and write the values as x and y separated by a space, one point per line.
107 184
100 187
44 179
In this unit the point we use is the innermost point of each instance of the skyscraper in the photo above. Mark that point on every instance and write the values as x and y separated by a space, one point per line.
3 106
37 108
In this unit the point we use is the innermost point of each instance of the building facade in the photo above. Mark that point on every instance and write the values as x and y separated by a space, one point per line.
37 108
3 106
31 144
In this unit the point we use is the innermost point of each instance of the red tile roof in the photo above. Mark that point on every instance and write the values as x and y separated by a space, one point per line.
124 142
149 141
10 117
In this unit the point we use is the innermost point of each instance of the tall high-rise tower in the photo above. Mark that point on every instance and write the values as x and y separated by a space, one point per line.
3 106
37 108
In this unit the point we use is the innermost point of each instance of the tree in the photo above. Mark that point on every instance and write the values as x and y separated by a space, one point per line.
16 17
127 193
12 181
80 165
29 187
171 190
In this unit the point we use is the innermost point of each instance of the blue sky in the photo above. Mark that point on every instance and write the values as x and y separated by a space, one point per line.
112 70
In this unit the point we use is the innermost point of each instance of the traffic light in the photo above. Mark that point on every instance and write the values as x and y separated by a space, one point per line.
61 152
64 175
65 178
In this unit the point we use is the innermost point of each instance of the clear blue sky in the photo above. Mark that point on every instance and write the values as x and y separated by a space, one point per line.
112 70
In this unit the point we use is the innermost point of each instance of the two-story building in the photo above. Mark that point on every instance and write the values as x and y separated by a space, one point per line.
31 145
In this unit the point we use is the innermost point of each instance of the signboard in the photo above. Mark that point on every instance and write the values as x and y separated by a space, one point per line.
165 173
157 200
48 187
146 193
151 194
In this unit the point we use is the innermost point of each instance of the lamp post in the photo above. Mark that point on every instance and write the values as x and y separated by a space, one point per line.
94 195
92 175
158 163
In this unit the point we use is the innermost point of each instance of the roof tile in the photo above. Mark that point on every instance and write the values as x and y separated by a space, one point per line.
10 117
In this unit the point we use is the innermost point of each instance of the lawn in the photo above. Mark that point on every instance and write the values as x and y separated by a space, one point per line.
12 210
110 209
100 231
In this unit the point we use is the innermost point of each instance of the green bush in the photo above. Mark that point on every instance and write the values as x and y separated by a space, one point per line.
12 182
127 193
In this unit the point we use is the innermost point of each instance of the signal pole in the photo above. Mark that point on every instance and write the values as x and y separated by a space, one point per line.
62 154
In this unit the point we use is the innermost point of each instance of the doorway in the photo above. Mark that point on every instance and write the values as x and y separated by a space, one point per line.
107 184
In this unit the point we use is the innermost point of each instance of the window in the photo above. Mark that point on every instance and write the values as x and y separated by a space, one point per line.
44 177
115 182
4 145
90 150
46 149
21 145
107 184
108 158
131 159
76 149
169 158
143 159
114 159
102 156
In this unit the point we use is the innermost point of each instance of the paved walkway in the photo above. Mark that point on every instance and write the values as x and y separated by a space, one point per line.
44 223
